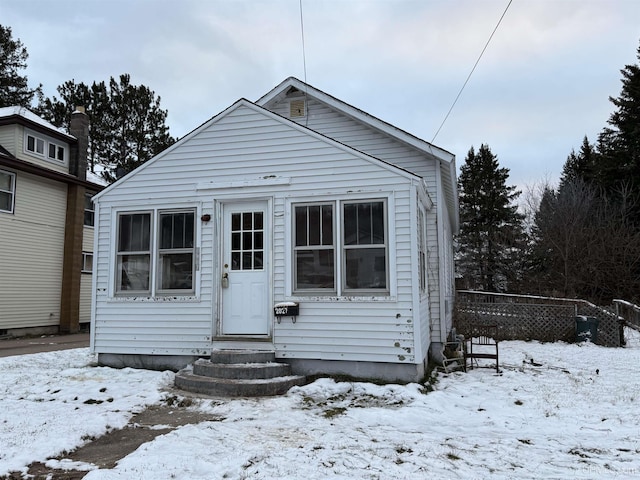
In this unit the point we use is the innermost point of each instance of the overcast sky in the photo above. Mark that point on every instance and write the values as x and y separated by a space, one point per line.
542 84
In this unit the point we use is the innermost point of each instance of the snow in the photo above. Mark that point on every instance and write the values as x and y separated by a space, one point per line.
557 411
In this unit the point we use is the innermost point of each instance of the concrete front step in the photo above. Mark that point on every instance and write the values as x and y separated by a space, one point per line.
242 356
246 371
241 373
187 380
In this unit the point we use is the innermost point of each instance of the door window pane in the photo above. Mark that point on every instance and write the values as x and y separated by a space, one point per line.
247 241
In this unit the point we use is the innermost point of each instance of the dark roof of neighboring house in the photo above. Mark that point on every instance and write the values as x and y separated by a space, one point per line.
9 161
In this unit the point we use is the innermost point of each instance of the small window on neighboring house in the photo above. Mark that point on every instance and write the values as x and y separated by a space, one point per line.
176 250
35 145
364 246
87 262
89 213
56 152
7 191
314 251
133 252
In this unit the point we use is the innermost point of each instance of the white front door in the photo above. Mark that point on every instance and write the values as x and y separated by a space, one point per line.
245 272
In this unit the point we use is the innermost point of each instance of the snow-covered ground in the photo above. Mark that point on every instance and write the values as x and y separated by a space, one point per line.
557 411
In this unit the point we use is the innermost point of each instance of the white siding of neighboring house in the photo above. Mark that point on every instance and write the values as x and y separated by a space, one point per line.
248 144
32 240
85 278
8 137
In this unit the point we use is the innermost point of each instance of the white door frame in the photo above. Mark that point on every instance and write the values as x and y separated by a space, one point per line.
224 331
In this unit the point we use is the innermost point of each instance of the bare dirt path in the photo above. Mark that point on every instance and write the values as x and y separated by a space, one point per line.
104 452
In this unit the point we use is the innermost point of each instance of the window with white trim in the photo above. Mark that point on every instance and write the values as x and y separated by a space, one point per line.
364 246
89 210
35 145
361 251
7 191
87 262
44 148
314 251
156 245
176 253
422 248
134 252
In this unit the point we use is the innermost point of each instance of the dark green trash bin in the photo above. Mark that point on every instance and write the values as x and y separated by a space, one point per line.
586 329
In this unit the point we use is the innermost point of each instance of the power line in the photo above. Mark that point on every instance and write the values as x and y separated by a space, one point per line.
470 73
304 57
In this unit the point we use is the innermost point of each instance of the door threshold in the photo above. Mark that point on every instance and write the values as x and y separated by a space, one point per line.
245 344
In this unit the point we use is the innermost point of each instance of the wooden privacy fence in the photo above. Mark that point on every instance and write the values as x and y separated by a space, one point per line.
524 317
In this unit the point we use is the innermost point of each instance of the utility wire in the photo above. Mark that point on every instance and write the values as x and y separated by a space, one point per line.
304 57
470 73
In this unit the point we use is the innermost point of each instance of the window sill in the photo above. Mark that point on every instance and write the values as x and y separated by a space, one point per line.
343 298
159 299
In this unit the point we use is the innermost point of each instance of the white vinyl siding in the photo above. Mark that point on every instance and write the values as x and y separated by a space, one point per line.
246 145
31 278
328 121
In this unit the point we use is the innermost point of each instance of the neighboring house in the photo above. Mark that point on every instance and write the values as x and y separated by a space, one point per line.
46 225
297 201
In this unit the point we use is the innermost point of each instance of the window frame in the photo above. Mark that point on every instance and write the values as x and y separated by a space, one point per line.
154 289
85 257
333 247
45 143
119 254
12 192
339 258
344 247
89 208
422 250
161 252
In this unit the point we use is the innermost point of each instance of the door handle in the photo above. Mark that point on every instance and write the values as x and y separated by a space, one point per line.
225 280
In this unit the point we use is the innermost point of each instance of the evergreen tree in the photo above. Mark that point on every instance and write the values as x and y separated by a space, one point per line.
619 144
14 88
579 165
491 238
127 125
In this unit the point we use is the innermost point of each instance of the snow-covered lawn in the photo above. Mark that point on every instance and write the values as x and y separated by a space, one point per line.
557 411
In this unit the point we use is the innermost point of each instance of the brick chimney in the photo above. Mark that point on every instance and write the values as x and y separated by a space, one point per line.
74 226
79 128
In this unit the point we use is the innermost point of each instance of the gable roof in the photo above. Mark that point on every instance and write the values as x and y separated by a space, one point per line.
283 89
248 104
445 158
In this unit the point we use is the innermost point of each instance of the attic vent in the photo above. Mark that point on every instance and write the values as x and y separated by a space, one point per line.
296 108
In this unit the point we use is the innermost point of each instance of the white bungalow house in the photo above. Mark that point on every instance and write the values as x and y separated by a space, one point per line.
296 224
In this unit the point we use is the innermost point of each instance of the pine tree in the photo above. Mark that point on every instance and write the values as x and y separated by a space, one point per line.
619 144
14 88
127 125
579 165
491 237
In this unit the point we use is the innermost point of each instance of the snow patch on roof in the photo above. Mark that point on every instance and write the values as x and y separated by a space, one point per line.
32 117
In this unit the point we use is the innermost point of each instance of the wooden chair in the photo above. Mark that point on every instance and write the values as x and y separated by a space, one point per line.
481 344
453 354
